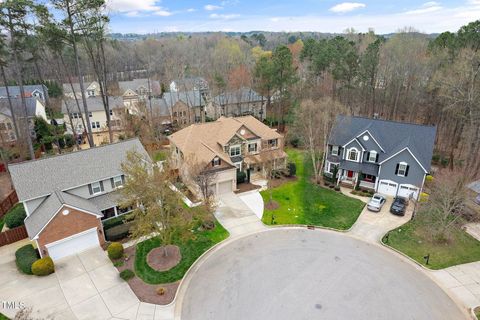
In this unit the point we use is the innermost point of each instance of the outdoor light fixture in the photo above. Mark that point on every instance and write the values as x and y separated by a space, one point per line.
65 212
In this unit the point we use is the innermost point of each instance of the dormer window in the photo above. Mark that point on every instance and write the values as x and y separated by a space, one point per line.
352 154
335 150
216 161
96 187
372 156
273 143
117 181
235 151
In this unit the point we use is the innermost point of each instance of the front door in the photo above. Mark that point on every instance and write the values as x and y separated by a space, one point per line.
350 174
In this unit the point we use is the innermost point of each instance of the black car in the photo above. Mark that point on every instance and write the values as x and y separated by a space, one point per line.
399 206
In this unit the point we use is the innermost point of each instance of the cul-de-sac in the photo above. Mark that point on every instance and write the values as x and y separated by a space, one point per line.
239 160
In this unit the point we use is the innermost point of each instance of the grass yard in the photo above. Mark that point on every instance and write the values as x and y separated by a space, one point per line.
190 251
3 317
303 202
412 240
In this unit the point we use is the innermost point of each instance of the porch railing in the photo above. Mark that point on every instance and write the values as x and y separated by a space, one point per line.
366 184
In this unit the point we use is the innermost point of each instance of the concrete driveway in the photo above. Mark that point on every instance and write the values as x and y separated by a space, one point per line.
84 286
310 274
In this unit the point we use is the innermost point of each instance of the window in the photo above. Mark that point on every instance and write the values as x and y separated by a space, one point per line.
216 161
95 125
117 181
402 169
372 156
91 93
252 147
89 114
75 115
272 143
96 187
111 112
331 167
235 151
335 150
353 154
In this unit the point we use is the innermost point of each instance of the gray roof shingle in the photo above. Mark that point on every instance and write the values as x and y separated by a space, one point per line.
190 98
93 103
18 108
242 95
391 135
135 84
28 89
41 177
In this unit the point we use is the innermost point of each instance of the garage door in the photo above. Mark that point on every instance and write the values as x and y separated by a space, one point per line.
407 190
74 244
225 186
387 187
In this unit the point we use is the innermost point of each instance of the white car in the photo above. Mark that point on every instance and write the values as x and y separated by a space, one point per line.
376 203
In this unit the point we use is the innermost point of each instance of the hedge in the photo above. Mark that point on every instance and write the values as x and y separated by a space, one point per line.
15 217
25 257
115 250
118 232
43 267
127 274
241 176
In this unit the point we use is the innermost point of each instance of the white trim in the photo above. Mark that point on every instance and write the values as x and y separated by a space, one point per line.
406 148
370 154
76 235
405 165
38 248
359 155
354 139
371 135
338 151
63 205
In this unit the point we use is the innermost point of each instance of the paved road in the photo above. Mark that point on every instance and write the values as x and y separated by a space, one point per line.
304 274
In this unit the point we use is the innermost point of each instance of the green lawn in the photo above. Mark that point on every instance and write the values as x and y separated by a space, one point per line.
412 240
303 202
3 317
190 250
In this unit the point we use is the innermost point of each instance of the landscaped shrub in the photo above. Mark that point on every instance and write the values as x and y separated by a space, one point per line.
115 250
326 183
127 274
16 216
43 267
241 176
423 197
337 188
331 186
113 222
429 178
69 142
118 232
161 291
292 169
25 257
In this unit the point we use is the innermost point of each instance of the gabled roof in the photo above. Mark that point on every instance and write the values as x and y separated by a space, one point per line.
41 177
191 98
39 218
93 103
242 95
28 89
18 108
135 84
392 136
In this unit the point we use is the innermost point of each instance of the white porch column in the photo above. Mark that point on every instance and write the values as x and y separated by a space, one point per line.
115 210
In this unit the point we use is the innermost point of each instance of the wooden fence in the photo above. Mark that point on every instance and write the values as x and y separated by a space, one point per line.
8 203
13 235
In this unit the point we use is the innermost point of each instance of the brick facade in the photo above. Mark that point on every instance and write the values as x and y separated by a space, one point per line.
64 226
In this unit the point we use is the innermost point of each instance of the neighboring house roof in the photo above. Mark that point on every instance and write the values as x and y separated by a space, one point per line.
243 95
392 136
36 221
474 186
18 107
191 98
159 107
67 88
93 103
28 89
206 140
135 84
41 177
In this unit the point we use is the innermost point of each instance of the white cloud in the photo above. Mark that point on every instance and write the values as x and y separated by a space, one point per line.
275 19
191 10
211 7
132 14
162 13
427 7
133 5
223 16
347 7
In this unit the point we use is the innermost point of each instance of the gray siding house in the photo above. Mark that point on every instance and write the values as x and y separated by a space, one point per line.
388 157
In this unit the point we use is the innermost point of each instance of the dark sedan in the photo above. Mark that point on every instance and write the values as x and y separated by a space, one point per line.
399 206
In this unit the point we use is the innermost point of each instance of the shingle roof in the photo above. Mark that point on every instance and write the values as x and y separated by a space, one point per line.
391 135
50 206
242 95
137 83
190 98
28 89
93 103
18 108
367 168
36 178
474 186
107 200
159 107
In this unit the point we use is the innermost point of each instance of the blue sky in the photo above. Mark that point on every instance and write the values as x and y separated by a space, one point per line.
146 16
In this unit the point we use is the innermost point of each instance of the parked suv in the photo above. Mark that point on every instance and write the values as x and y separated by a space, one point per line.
376 203
399 206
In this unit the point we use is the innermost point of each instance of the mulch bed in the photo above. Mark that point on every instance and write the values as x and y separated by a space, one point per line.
244 187
148 292
157 260
272 205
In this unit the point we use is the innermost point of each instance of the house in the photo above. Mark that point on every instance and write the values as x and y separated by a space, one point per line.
138 90
189 84
224 147
39 91
186 107
35 108
92 89
66 197
96 112
388 157
241 102
474 190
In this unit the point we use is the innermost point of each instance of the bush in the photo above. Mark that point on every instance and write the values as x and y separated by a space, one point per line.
429 178
295 142
241 176
113 222
16 216
43 267
118 232
331 186
161 291
25 257
127 274
115 250
292 169
326 183
69 142
423 197
337 188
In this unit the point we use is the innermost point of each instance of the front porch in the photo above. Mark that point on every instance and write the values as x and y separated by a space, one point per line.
349 178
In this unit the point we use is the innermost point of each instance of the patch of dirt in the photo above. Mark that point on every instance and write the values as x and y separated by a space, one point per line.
158 261
272 205
147 292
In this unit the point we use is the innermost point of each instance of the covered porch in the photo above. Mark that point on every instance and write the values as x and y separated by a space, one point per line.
351 173
109 205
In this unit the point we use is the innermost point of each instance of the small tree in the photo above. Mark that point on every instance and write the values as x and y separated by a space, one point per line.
157 208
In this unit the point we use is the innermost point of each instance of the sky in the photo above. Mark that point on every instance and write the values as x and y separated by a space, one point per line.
149 16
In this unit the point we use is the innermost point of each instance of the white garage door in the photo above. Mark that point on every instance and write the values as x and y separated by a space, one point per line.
74 244
225 186
387 187
406 190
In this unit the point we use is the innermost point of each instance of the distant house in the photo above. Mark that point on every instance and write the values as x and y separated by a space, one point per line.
186 107
92 89
242 102
189 84
388 157
35 108
39 91
66 197
226 146
474 188
138 90
96 110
